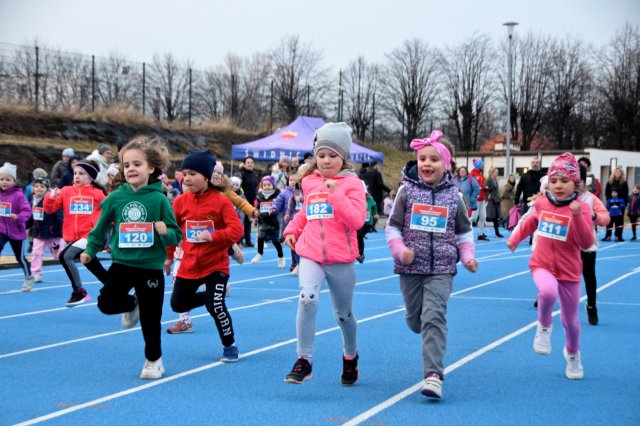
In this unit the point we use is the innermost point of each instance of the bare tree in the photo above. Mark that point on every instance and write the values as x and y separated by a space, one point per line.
171 83
530 86
297 68
118 82
468 83
570 84
410 82
361 82
620 86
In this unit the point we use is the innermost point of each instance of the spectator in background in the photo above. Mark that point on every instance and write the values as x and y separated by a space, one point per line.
617 184
493 201
592 184
363 170
102 157
62 166
250 190
375 183
280 173
67 177
469 188
479 216
529 184
507 196
295 163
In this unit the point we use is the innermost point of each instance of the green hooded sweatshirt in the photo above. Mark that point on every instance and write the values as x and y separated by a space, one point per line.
134 241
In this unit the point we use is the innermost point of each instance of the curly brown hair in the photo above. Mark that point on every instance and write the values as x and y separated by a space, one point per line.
155 151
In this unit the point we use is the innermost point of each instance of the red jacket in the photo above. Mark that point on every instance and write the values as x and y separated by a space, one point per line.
80 210
477 175
203 258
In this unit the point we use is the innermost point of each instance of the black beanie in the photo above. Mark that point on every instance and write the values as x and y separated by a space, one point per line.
88 169
583 173
202 162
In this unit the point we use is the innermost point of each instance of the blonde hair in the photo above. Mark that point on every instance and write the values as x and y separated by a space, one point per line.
155 151
622 178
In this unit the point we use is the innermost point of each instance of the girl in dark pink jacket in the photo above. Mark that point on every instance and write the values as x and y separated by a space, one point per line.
15 211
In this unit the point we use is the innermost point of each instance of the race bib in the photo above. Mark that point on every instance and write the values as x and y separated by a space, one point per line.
298 205
194 227
266 206
38 213
318 206
367 218
5 209
554 226
428 218
135 235
81 205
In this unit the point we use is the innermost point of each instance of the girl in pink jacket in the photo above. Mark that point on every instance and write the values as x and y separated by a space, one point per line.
563 224
324 235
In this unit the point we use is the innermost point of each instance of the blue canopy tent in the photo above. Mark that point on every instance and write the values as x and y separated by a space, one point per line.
295 140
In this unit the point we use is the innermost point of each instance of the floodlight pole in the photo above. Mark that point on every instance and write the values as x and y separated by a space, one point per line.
510 26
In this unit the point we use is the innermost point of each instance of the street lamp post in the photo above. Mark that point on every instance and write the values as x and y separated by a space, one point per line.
510 26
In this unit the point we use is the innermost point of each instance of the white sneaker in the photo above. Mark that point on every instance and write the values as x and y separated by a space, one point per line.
37 278
281 263
237 255
296 270
257 258
542 341
432 386
152 369
130 319
28 283
574 369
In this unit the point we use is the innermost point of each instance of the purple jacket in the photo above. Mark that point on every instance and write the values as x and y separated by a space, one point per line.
15 230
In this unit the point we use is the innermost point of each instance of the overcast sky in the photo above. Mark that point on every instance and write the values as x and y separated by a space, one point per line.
204 31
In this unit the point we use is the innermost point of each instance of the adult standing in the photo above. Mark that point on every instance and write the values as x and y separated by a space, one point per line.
507 197
616 183
592 184
375 183
102 157
250 189
295 163
61 166
469 188
493 200
529 184
480 214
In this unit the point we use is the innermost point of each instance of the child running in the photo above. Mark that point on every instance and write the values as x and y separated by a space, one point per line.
268 225
211 227
45 228
369 220
144 226
323 234
563 225
80 204
427 231
15 211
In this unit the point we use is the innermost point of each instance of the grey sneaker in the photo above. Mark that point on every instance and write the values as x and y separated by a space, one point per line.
130 319
574 369
542 340
27 285
152 369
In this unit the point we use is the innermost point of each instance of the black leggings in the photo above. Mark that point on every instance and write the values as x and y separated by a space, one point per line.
16 246
275 243
186 296
589 275
114 299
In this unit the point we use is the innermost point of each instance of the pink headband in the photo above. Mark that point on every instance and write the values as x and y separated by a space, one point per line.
432 140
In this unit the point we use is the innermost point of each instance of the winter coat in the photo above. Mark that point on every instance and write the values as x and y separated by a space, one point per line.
470 189
200 259
326 227
46 225
78 222
15 229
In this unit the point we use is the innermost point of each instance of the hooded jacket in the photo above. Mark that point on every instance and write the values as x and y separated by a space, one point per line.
75 225
330 240
15 229
125 206
50 226
200 259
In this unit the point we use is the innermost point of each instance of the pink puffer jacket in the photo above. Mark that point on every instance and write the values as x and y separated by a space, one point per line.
326 231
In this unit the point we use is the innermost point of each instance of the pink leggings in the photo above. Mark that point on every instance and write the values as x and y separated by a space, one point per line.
549 288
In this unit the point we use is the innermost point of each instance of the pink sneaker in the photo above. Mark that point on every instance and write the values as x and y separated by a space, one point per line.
180 326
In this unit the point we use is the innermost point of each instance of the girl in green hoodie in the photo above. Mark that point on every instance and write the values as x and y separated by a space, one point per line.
144 225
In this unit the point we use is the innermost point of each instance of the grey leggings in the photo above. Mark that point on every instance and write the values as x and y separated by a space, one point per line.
341 278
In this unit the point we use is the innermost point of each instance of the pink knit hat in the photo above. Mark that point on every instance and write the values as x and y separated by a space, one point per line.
565 165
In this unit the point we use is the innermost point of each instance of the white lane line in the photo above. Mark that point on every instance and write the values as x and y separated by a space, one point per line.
366 415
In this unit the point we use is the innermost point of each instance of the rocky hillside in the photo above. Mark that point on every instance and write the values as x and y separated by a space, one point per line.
31 140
